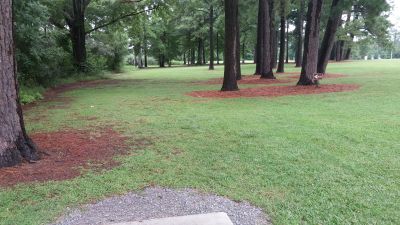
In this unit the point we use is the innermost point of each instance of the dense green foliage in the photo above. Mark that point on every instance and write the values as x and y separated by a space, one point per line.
163 33
332 160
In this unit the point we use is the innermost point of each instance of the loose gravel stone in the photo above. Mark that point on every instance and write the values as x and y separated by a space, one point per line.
160 203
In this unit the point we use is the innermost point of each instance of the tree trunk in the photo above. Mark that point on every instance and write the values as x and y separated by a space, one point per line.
230 52
217 48
258 55
239 71
263 59
287 42
203 51
281 65
193 57
189 57
352 36
199 54
15 144
311 43
145 57
330 35
244 51
274 34
299 32
211 18
339 50
333 52
76 23
348 51
162 60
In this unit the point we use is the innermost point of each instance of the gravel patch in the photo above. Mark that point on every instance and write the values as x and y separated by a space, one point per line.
160 203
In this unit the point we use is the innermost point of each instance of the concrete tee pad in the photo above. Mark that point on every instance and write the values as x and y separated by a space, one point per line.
201 219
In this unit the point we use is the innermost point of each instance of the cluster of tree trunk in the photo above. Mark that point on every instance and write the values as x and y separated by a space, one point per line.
311 43
265 42
15 145
328 41
140 56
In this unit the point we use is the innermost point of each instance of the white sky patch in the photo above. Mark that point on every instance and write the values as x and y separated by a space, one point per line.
395 13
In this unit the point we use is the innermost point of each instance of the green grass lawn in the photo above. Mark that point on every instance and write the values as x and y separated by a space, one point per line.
312 159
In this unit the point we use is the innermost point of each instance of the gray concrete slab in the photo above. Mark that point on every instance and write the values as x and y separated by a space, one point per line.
200 219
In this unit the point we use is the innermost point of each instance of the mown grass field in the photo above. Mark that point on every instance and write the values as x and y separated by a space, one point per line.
313 159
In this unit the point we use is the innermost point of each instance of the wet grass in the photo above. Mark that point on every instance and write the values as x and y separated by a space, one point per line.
315 159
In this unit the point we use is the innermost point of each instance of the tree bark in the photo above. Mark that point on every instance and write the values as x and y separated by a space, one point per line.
244 51
211 20
287 41
339 51
239 71
145 44
199 52
328 41
258 57
230 52
193 57
76 23
340 54
15 144
348 51
333 52
162 60
264 48
203 51
299 32
274 35
145 57
311 43
217 48
281 64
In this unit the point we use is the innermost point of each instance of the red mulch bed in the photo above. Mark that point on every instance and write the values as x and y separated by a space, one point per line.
255 79
275 91
249 79
65 153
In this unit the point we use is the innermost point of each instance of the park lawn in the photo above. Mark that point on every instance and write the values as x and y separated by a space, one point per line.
312 159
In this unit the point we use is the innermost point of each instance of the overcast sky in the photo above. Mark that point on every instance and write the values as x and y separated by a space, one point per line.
395 14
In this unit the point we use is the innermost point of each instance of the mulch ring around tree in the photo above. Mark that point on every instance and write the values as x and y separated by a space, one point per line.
249 79
325 76
255 79
275 91
64 154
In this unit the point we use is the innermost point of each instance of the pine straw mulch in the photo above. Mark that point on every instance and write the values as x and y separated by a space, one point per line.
248 79
65 154
274 91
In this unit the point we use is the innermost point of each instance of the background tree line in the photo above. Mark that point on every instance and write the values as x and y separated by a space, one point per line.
58 38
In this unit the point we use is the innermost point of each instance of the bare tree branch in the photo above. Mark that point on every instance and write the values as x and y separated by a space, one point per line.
121 18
